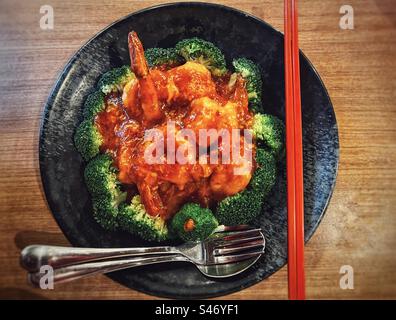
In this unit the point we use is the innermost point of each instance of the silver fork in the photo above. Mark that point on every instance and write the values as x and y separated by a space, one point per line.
220 256
217 249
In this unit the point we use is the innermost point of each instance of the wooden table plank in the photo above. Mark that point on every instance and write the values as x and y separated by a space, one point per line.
358 67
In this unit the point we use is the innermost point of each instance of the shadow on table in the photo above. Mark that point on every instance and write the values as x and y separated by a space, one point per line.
28 237
23 239
11 293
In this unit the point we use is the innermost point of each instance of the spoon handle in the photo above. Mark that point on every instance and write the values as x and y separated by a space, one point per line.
35 256
78 271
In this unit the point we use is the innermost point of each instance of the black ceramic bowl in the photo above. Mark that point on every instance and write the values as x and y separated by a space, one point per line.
237 34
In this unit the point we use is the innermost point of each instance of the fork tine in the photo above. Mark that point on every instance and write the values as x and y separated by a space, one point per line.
224 228
236 257
244 231
239 247
236 238
227 243
238 234
232 235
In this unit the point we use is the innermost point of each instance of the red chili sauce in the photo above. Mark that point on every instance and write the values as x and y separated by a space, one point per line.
191 97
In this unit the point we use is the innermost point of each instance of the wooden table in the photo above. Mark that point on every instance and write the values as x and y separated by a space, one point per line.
359 70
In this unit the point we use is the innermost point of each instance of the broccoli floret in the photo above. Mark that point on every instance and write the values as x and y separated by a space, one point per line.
93 105
105 210
101 180
264 176
115 79
240 208
100 176
193 222
135 219
244 206
88 139
204 52
251 73
161 56
270 131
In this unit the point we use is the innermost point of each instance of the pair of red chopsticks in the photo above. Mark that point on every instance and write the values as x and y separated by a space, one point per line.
294 162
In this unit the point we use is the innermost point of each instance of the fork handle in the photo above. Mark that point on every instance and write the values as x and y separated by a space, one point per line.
78 271
35 256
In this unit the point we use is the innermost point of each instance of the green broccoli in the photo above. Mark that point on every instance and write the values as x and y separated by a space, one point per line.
270 131
161 56
240 208
193 222
264 176
100 176
251 73
115 79
93 105
88 139
135 219
105 210
244 206
204 52
101 180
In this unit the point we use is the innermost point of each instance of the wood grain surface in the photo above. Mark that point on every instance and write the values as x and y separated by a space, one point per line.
358 68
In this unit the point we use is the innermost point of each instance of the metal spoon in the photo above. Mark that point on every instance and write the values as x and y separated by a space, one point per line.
74 272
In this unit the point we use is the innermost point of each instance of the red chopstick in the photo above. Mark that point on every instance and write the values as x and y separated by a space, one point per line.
290 165
294 161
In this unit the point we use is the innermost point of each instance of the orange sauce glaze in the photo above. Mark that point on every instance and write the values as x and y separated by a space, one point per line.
164 188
